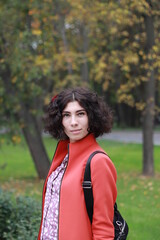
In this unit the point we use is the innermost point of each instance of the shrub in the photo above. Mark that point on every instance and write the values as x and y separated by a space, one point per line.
19 217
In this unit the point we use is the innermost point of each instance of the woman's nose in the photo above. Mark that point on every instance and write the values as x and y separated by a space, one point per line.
73 120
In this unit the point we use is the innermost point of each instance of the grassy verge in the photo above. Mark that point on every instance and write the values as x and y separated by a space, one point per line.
138 196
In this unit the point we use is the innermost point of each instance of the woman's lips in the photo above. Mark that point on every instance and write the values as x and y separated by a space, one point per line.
75 131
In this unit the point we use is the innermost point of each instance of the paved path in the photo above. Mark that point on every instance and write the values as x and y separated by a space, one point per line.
130 136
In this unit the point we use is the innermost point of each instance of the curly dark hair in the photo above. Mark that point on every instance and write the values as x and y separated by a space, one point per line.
99 114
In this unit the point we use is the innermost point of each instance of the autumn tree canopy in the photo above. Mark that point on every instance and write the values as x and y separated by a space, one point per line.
47 45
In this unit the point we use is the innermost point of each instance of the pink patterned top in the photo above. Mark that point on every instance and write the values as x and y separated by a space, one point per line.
51 205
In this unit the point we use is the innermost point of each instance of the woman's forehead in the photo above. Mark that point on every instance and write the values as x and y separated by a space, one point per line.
73 106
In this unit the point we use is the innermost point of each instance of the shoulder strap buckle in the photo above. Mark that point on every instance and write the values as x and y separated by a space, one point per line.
87 184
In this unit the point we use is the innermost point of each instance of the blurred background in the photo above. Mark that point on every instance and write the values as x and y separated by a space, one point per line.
112 47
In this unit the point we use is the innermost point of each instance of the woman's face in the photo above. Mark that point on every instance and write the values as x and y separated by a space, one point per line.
75 121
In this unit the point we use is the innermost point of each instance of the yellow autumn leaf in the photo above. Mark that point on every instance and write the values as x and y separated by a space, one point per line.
2 140
144 79
47 100
133 187
33 111
36 32
150 184
35 24
156 196
41 61
16 139
105 85
32 11
22 125
14 80
141 53
131 58
123 87
113 30
126 68
125 33
121 204
140 106
155 49
1 100
126 98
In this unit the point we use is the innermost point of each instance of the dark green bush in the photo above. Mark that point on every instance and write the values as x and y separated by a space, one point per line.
19 217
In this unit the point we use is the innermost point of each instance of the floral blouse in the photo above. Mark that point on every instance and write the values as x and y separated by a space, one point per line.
51 205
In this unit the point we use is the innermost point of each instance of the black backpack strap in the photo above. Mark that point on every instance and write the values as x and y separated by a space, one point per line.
120 226
87 186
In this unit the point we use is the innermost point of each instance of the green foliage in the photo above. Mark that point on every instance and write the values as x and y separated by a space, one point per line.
5 212
19 218
45 45
138 196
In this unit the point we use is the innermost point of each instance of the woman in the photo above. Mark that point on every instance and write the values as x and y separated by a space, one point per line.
76 117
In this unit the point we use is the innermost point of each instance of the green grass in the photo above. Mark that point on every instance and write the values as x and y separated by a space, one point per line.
138 196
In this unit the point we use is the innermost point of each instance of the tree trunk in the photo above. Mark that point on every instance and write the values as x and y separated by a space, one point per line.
120 106
148 115
66 48
85 71
148 125
34 141
31 130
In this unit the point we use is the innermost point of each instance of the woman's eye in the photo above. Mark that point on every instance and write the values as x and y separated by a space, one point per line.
81 114
65 115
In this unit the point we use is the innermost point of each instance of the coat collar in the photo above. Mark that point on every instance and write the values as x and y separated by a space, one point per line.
74 150
79 147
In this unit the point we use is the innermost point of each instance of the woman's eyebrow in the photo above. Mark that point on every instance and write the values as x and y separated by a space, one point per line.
80 110
65 112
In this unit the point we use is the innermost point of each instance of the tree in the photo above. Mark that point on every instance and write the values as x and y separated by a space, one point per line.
36 60
53 44
124 60
149 95
22 77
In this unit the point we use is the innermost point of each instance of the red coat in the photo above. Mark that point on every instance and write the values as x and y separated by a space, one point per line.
74 223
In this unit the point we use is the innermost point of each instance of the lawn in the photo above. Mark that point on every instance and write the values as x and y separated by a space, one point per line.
138 196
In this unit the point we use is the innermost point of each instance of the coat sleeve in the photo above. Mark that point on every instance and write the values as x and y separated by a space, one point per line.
104 176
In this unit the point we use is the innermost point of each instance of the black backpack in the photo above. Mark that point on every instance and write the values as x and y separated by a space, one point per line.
120 226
